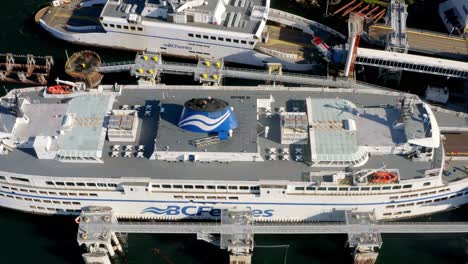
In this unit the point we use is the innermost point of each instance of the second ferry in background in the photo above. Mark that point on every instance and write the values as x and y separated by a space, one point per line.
235 30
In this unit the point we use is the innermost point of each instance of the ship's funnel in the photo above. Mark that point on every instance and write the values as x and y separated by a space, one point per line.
208 115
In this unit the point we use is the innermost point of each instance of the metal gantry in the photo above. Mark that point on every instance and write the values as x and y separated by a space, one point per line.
99 226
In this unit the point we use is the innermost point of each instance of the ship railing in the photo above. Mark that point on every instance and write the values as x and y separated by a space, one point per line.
301 20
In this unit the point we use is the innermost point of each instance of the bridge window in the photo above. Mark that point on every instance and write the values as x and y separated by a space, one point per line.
91 184
60 183
188 186
200 187
243 42
190 35
119 26
112 25
70 184
2 178
353 189
228 39
220 39
407 186
205 36
343 189
232 187
211 187
221 187
375 188
310 188
198 36
133 28
243 188
166 186
426 183
396 187
386 188
140 29
236 40
251 42
105 25
322 188
213 38
177 186
332 188
365 189
297 188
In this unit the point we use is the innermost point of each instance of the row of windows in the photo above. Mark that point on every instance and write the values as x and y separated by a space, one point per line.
55 209
353 189
426 202
3 178
39 200
421 194
81 184
397 213
133 28
49 193
191 35
205 187
198 52
207 197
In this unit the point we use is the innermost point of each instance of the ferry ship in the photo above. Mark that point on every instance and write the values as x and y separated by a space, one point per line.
235 30
187 152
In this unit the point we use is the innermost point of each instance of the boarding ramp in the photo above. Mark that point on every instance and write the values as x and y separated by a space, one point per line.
231 72
413 63
425 41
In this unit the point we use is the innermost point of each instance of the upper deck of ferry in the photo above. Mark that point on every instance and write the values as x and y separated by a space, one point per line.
241 16
328 142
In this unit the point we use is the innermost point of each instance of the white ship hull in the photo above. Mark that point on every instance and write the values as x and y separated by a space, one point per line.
168 44
143 204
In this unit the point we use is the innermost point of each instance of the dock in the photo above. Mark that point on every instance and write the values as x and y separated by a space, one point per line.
26 69
235 230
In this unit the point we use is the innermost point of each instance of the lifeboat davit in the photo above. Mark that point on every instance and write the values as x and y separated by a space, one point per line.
59 89
383 177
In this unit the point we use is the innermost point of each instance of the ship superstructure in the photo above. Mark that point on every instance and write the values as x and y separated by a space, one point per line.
187 152
235 30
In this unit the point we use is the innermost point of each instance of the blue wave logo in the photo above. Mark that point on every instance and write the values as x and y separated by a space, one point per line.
203 122
156 210
192 210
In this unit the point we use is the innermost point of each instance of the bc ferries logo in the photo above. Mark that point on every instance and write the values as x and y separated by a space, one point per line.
193 210
203 122
175 46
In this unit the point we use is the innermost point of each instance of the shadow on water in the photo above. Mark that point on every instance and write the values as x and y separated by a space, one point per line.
28 238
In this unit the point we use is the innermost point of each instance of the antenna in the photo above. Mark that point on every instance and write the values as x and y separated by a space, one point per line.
5 89
66 54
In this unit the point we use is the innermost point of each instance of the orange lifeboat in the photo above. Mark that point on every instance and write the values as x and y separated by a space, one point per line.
383 177
59 89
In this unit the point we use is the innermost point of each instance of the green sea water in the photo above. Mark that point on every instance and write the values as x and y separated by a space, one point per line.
26 238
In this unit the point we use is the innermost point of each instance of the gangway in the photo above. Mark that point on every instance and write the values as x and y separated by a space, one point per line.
413 63
199 69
